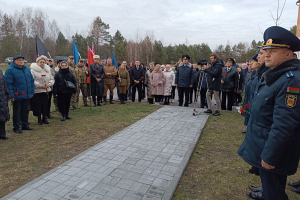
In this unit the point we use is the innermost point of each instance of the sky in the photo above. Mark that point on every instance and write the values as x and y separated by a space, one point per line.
172 21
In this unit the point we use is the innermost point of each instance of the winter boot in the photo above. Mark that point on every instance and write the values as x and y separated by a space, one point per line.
105 102
111 99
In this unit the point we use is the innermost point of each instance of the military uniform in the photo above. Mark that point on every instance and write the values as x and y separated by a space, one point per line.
81 76
273 131
74 103
109 81
123 85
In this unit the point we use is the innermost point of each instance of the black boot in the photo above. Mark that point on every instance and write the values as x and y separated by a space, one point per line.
111 99
63 118
105 102
98 104
123 98
45 121
100 99
165 103
40 121
94 104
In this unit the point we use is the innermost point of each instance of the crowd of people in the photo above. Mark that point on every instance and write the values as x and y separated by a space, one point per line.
269 84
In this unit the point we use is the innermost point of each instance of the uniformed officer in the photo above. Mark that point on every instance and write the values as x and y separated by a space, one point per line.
97 76
109 80
81 72
272 141
71 62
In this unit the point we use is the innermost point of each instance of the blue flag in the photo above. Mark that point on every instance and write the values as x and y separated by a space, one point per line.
114 60
76 53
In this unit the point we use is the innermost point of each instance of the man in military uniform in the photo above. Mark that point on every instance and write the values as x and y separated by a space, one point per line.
272 141
97 76
184 80
73 104
109 80
81 72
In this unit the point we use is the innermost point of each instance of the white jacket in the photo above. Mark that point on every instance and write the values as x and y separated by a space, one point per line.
41 76
169 79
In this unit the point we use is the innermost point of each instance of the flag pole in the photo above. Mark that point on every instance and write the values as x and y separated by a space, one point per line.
90 85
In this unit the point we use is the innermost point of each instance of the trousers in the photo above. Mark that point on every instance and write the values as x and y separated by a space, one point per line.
109 87
216 94
20 113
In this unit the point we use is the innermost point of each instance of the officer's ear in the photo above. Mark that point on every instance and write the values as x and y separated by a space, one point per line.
288 54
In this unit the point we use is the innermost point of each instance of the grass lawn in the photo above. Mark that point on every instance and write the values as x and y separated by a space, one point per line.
215 171
27 156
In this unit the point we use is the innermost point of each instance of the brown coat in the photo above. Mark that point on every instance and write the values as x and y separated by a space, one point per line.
125 78
157 78
110 79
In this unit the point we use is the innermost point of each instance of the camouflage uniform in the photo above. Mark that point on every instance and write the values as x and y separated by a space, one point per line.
82 86
74 103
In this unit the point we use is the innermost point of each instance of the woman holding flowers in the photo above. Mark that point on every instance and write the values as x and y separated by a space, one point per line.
43 81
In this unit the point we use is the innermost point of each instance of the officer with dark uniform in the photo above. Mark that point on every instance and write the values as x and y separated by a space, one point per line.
97 76
272 141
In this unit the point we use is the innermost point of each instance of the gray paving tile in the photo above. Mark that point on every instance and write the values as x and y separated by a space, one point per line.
143 161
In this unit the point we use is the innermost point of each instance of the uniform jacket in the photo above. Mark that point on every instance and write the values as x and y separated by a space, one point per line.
214 74
157 78
230 78
273 131
125 78
110 79
60 84
19 81
184 76
4 96
169 78
80 74
137 75
248 93
41 76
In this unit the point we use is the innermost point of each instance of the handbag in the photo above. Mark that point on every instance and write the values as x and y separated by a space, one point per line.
69 84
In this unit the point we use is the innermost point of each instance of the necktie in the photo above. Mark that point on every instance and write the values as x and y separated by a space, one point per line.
137 68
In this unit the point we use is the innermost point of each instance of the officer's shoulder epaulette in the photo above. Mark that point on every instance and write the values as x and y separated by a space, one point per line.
289 74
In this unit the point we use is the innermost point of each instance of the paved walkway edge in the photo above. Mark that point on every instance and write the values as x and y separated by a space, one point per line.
173 186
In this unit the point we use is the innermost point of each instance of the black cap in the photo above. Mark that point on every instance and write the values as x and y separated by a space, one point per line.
232 60
58 61
185 56
278 37
17 57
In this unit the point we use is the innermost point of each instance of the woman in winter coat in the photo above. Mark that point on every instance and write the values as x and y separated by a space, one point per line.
157 81
148 84
43 82
123 82
63 91
169 79
4 110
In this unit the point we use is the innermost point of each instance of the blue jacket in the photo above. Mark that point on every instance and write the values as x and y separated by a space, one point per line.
248 92
20 82
185 75
273 131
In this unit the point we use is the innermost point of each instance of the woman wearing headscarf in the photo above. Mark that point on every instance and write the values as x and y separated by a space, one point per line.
43 82
157 81
148 84
65 85
169 79
4 110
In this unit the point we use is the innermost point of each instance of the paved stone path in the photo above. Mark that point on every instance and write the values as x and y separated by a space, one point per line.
143 161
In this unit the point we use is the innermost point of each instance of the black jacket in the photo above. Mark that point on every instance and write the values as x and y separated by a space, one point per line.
230 79
4 96
196 78
214 74
137 75
59 86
